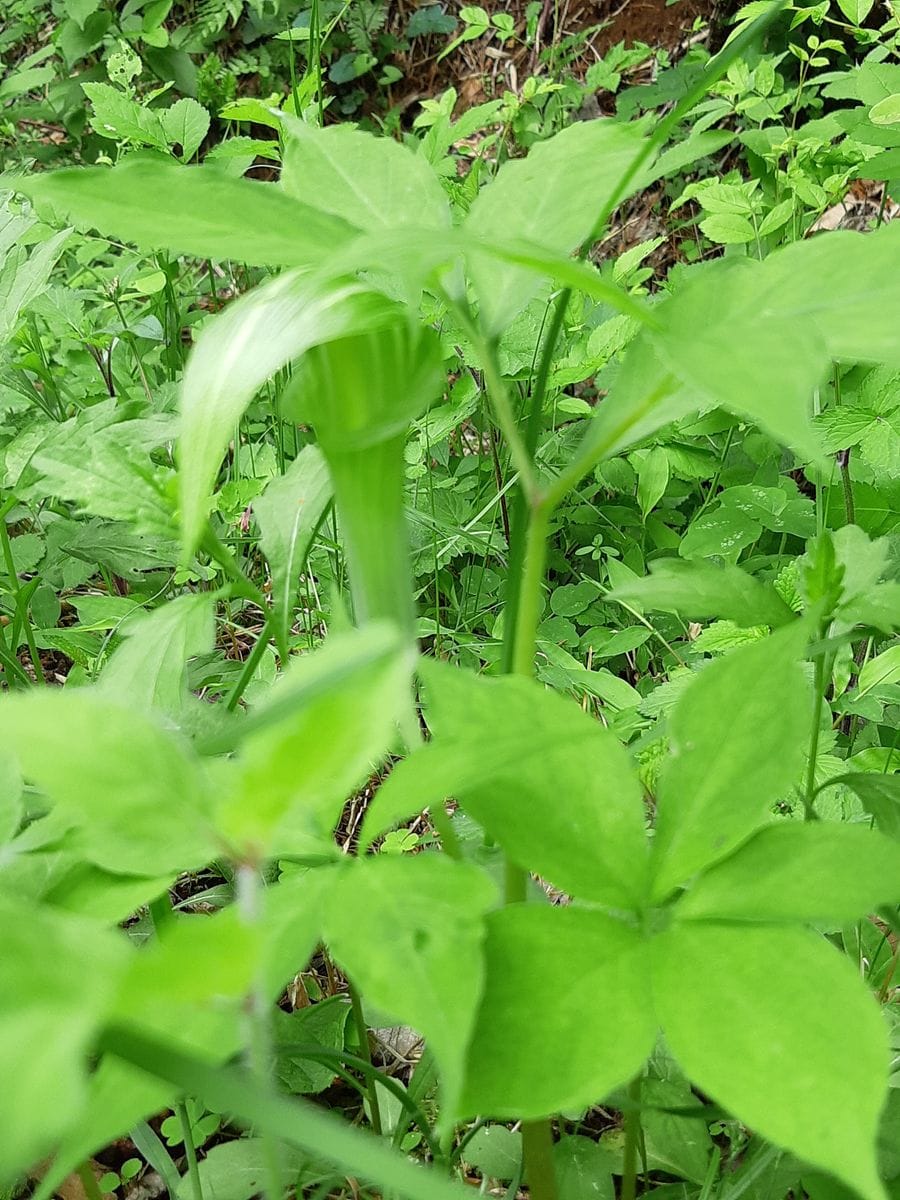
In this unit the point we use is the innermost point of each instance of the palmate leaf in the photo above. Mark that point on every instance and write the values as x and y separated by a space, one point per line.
695 360
429 910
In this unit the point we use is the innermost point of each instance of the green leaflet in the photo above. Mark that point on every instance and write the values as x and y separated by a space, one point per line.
289 512
191 210
555 788
736 737
697 589
815 872
326 725
767 378
568 989
550 197
144 812
742 1011
369 181
429 910
149 668
188 1015
46 1031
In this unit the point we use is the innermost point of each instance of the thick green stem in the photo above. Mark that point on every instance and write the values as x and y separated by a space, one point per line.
537 1146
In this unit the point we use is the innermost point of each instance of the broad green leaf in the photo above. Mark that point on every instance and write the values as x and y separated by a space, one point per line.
149 668
759 375
555 788
856 10
653 479
675 1142
289 512
22 277
102 463
886 111
721 532
854 320
119 1094
583 1168
816 872
121 119
737 742
551 197
366 180
191 210
47 1030
238 1170
538 1051
698 589
881 670
880 796
728 229
429 910
256 336
326 726
319 1025
139 801
739 1010
495 1152
186 124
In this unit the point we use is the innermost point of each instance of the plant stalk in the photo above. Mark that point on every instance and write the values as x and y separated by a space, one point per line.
190 1150
258 1041
365 1051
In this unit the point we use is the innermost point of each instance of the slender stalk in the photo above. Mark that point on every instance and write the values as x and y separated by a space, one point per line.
89 1182
820 681
258 1037
190 1150
632 1141
18 599
365 1051
251 662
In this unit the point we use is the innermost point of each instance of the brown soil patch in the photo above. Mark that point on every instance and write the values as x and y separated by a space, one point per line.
652 21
